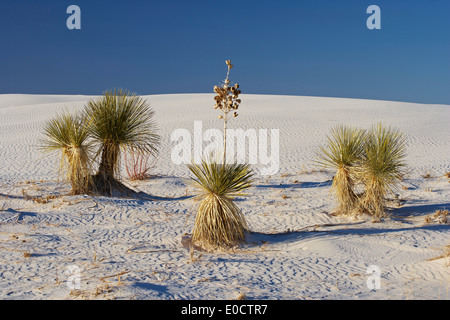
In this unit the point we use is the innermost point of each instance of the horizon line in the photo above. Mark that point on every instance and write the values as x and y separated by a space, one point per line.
211 93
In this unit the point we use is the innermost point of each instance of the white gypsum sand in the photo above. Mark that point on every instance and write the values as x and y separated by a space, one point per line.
131 248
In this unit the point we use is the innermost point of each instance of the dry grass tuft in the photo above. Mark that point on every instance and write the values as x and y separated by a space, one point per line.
445 255
137 165
241 296
439 216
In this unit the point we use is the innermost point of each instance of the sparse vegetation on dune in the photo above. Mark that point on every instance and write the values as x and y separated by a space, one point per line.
224 232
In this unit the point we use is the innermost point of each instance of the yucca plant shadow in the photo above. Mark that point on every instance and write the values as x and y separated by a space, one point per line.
418 210
299 185
12 196
160 289
148 197
257 239
17 215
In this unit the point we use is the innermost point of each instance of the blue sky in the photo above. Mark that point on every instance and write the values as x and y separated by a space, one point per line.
313 48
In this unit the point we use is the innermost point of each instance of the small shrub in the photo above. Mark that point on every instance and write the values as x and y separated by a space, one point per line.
138 165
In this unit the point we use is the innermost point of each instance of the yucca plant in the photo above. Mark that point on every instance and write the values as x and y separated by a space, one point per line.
381 168
120 120
69 134
341 153
219 222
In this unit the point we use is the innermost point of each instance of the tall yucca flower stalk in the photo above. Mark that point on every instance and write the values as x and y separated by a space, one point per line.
342 152
381 167
120 120
219 222
227 100
69 134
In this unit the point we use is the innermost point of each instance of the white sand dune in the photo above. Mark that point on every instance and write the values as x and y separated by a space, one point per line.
285 257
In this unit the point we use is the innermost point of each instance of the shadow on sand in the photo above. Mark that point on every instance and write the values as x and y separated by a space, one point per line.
299 185
258 238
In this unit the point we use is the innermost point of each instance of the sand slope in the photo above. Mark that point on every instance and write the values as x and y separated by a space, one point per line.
285 257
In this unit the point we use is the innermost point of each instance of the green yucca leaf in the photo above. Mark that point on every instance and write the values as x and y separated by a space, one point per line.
384 156
125 119
66 130
221 179
343 148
